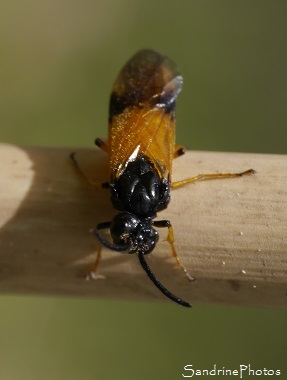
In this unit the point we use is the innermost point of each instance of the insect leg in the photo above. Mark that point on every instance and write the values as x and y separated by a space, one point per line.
179 150
88 181
203 177
93 272
102 144
170 239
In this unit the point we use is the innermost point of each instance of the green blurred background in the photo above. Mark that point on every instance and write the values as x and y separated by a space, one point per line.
58 62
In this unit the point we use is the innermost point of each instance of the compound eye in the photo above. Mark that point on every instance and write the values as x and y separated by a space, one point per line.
123 227
151 240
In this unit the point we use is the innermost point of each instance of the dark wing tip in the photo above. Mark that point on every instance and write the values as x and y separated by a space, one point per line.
148 79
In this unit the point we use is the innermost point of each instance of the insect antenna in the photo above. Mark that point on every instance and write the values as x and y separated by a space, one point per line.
107 244
156 282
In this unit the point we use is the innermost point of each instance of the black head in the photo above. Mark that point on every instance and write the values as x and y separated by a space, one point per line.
137 234
130 234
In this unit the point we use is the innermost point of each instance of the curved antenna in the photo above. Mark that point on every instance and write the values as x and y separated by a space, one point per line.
152 277
106 243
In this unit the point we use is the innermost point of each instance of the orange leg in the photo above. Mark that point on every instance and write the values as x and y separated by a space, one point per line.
102 144
179 150
203 177
170 239
93 272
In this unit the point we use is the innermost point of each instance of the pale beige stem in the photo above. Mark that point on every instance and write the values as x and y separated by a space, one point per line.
230 234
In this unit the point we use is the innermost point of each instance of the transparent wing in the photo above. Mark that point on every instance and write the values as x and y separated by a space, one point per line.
142 112
148 132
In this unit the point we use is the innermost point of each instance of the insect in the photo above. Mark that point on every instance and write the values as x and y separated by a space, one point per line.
141 148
